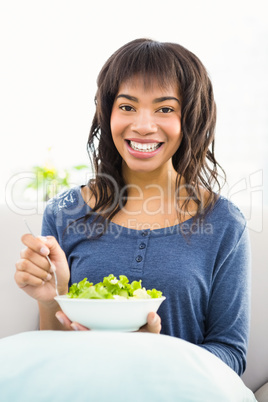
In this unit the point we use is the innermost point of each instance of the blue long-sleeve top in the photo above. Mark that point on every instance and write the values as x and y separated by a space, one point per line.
205 276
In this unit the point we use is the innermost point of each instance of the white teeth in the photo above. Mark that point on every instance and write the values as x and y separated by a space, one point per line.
137 146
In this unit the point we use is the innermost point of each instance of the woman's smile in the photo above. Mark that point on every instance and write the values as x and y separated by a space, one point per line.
141 149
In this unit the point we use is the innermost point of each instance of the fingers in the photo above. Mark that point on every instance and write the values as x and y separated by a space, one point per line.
31 274
153 324
78 327
53 245
24 279
35 244
64 320
32 269
35 258
67 324
44 246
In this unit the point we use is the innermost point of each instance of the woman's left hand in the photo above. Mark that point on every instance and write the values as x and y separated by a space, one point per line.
153 324
69 325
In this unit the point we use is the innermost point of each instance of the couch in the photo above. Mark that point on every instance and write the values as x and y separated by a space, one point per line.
19 313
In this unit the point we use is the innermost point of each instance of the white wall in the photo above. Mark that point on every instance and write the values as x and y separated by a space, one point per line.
51 52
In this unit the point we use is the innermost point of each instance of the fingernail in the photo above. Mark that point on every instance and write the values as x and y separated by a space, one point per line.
75 327
48 277
52 268
61 320
43 238
44 250
154 320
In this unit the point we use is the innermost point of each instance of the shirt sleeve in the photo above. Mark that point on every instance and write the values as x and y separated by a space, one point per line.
227 322
49 227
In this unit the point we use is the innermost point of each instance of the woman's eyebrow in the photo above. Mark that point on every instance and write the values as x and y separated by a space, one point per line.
164 98
129 97
157 100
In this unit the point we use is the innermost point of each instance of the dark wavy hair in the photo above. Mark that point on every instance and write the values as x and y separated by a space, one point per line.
194 161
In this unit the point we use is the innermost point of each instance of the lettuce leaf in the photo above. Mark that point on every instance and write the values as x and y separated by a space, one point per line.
110 287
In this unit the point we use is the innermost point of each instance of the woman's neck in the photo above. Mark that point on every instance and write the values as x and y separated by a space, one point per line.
150 183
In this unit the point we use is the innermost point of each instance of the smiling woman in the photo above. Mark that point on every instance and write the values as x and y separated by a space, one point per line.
156 199
147 126
157 93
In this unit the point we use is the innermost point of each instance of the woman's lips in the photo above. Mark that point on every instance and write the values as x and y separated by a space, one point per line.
143 149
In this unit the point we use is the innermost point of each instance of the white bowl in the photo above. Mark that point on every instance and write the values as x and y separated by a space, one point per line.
109 314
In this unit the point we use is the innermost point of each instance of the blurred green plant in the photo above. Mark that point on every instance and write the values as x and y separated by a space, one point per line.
49 181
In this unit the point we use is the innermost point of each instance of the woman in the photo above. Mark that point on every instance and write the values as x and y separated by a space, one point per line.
151 212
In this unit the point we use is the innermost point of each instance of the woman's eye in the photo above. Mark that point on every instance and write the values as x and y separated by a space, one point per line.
127 108
165 110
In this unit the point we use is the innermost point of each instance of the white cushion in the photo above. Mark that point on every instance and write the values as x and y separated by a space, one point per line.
109 366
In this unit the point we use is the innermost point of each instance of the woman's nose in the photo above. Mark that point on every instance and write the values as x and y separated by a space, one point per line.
143 123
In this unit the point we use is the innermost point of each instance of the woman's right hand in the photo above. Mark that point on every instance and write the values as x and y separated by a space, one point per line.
33 271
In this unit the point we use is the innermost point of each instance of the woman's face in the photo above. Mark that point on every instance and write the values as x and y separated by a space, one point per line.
146 125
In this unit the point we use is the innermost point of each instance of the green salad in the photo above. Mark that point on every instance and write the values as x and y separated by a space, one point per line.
112 288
